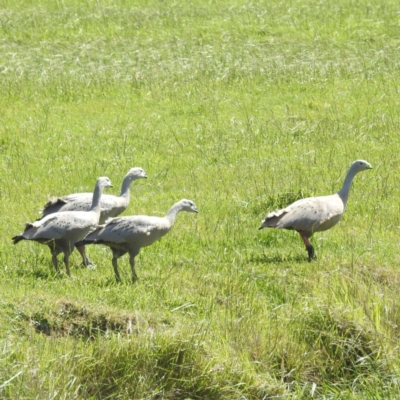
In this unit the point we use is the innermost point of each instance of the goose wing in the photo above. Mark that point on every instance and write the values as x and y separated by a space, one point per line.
72 202
309 215
63 225
142 230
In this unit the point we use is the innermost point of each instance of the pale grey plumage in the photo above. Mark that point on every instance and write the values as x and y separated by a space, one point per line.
130 234
60 231
111 206
315 214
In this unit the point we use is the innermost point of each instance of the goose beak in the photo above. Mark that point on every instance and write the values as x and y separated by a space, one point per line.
262 225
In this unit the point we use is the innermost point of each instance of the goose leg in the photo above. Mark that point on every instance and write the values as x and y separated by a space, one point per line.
54 254
66 262
115 266
309 246
55 261
116 254
132 263
85 259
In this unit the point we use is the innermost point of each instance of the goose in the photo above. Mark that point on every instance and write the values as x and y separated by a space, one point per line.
111 206
315 214
60 231
130 234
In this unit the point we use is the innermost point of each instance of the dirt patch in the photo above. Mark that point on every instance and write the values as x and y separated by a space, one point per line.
70 319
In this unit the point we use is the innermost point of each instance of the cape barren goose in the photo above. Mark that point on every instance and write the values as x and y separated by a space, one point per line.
130 234
315 214
60 231
111 206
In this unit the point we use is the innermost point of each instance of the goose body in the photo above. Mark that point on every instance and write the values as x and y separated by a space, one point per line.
111 206
60 231
130 234
315 214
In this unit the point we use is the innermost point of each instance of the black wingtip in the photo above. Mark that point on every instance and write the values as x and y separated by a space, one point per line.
17 239
85 242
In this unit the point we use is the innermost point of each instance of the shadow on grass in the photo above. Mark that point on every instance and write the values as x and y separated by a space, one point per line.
112 282
40 274
278 258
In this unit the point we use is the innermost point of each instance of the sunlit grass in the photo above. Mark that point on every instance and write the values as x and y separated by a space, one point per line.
242 108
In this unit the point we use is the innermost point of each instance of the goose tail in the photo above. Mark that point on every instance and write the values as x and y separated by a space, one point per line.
272 219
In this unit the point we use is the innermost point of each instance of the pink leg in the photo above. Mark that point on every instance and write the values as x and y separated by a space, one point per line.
309 247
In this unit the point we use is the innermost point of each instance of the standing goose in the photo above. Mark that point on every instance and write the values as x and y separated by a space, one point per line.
111 206
60 231
315 214
130 234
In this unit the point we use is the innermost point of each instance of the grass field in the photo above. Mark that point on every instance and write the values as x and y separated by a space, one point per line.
242 107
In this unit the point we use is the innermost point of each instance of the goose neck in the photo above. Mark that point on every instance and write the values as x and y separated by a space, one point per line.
345 190
126 183
172 213
98 190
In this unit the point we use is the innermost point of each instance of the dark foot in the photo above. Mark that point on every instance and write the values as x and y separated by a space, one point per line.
88 266
311 253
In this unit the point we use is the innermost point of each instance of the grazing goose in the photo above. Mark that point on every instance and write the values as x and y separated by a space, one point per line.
315 214
130 234
60 231
111 206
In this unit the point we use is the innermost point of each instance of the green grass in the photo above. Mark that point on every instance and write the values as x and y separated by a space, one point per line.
241 107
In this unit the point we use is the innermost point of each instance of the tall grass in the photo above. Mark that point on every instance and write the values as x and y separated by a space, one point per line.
243 108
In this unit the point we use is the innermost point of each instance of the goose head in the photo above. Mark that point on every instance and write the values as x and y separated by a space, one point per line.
135 173
104 182
188 205
360 165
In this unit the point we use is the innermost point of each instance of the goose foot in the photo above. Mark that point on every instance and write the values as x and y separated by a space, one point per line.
86 262
87 265
311 253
